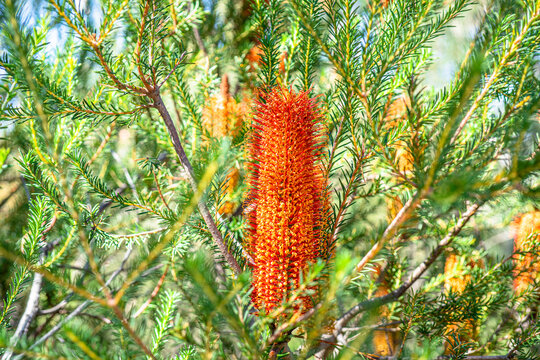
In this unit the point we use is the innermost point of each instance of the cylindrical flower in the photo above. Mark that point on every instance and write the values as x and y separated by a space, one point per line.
526 266
402 158
229 186
385 340
222 115
397 112
456 281
287 194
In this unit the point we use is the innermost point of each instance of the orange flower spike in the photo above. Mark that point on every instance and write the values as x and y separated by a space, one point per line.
385 342
458 281
526 267
229 185
457 284
254 57
404 161
222 115
397 112
282 60
288 194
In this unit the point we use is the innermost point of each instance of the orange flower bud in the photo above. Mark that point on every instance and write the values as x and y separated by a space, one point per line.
229 185
287 194
457 284
404 161
397 113
222 115
254 55
385 341
526 267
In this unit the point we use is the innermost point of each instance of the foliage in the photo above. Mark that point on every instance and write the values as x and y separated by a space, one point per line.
112 189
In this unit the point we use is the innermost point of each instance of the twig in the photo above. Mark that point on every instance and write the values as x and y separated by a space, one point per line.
79 309
85 271
32 303
390 231
290 325
103 143
416 274
159 190
203 209
200 42
481 357
154 293
150 270
97 317
56 307
28 315
144 233
328 339
233 239
178 63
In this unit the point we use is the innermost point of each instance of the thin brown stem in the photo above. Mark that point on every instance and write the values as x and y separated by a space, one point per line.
203 209
139 43
390 231
153 294
325 345
132 333
159 190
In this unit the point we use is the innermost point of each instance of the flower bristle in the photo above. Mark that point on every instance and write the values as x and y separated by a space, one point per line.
526 266
287 191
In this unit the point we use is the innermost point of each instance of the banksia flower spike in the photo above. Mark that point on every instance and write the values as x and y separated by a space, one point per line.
403 160
397 112
526 266
229 186
385 340
222 115
457 283
287 194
